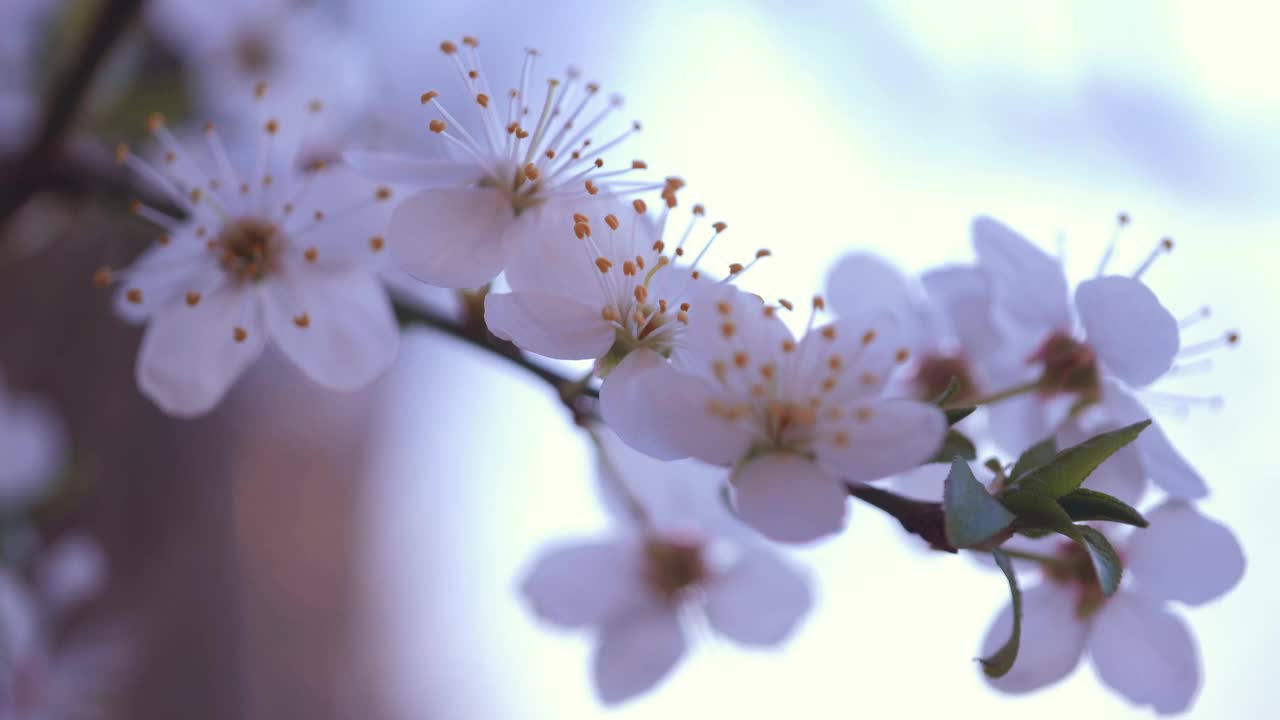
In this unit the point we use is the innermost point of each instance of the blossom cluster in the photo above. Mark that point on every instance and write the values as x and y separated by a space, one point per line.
787 407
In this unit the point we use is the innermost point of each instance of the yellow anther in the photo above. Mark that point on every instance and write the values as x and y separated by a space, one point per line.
193 298
376 243
603 264
611 220
302 320
239 334
642 293
428 96
437 126
311 254
582 230
639 206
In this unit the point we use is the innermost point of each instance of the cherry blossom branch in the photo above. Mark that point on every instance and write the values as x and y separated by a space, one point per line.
916 516
578 396
35 167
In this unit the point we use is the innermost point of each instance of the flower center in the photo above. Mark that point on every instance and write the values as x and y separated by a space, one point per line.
674 566
934 374
250 249
1070 366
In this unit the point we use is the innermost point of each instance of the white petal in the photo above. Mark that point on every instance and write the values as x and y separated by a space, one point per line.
586 584
545 255
1145 653
189 357
1184 555
71 571
1029 283
662 412
892 436
451 238
1133 334
1053 638
921 483
351 336
861 283
420 172
32 445
19 619
635 652
789 498
962 294
760 600
549 325
1163 464
163 275
1022 421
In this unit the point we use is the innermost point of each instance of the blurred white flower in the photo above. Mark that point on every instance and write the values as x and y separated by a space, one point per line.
604 292
303 53
945 321
44 680
33 447
279 250
1084 355
1140 648
21 32
510 177
643 589
795 420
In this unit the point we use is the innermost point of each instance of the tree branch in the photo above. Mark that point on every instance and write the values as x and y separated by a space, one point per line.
579 397
35 167
916 516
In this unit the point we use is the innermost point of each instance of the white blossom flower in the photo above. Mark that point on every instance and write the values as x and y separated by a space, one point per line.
1091 353
513 175
598 293
41 679
945 321
794 419
280 250
1140 648
229 47
33 447
645 587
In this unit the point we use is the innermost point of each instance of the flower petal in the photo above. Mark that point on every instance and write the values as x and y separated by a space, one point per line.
549 325
663 412
1163 464
789 498
162 276
1022 421
1144 652
451 238
1184 555
760 600
962 294
350 336
584 584
189 357
1053 638
420 172
635 652
32 445
880 437
861 283
1029 284
1133 334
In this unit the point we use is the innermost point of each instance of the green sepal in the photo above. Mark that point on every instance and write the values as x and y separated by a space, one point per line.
971 516
1001 661
1069 468
1035 456
1042 512
1083 504
1106 563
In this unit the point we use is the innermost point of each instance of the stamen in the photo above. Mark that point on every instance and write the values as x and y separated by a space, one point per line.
1122 221
1165 245
1201 313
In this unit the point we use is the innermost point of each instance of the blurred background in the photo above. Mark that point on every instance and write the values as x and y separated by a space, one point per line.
304 554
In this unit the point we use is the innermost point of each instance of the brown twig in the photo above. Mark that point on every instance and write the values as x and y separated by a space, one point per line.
36 167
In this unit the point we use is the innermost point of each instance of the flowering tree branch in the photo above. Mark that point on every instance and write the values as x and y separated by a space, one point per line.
36 166
577 395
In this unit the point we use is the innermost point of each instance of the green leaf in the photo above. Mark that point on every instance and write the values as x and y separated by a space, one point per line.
1085 504
1001 661
1035 456
954 445
1070 467
948 392
955 415
971 516
1105 561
